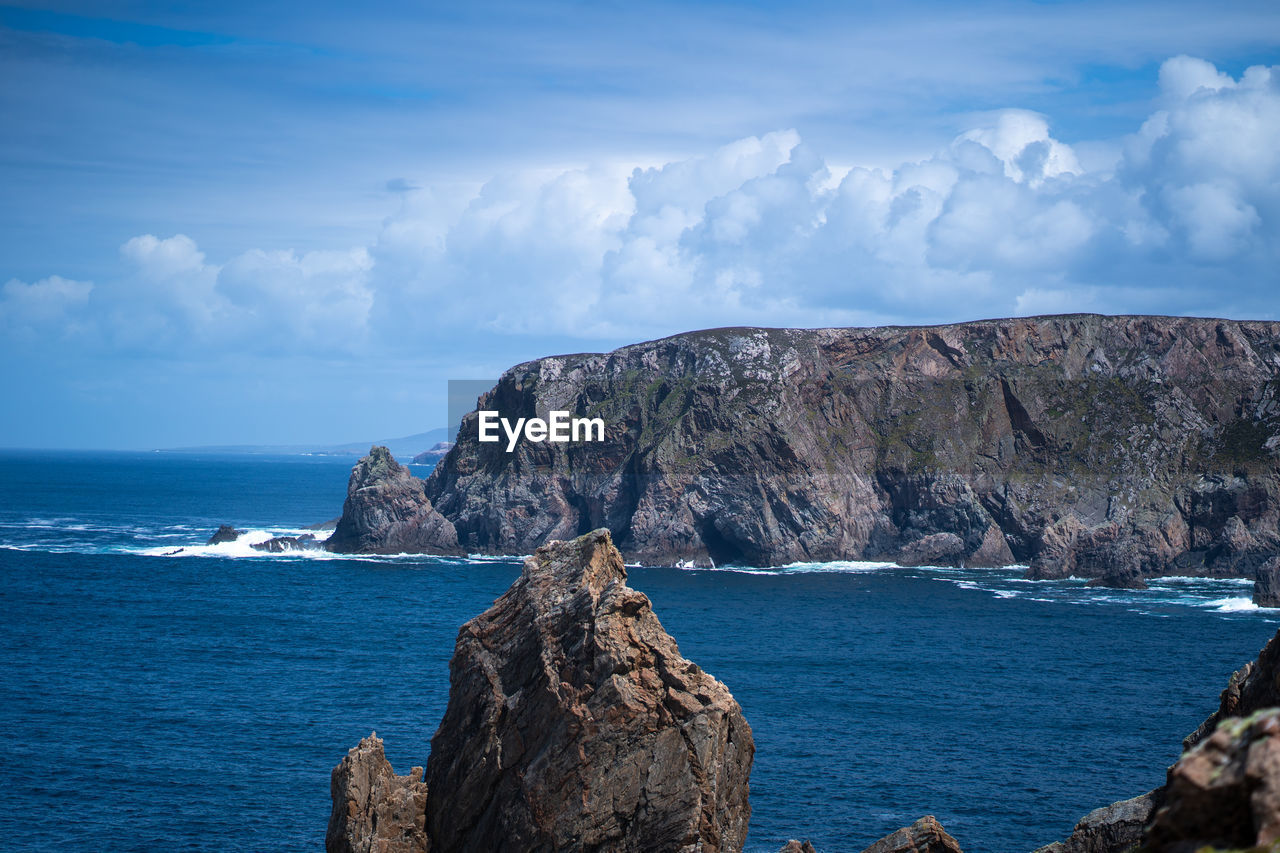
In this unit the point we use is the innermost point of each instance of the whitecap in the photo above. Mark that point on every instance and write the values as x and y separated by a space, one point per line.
1232 605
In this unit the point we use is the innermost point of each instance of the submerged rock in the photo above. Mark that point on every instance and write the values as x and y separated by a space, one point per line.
387 512
1111 829
1224 792
224 533
574 723
374 810
924 836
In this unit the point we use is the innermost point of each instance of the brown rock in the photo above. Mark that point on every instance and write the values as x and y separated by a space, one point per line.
924 836
1225 791
574 724
374 810
794 846
1254 686
387 512
1111 829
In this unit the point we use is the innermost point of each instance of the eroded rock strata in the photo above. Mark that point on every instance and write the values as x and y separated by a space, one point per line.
1115 448
374 810
575 724
387 512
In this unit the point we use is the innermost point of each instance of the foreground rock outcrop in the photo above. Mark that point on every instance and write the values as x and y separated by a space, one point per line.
1251 688
1110 829
374 810
924 836
387 512
1116 448
574 723
1225 792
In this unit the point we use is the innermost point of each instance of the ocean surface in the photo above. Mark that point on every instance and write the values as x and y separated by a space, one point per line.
198 701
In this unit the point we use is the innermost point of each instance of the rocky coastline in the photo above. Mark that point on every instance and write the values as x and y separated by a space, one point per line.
1112 448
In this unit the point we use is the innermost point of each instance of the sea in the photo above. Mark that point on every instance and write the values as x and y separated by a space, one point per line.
159 694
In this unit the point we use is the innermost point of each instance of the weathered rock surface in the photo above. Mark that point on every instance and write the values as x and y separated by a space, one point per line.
374 810
282 544
224 533
1266 584
924 836
1253 687
1106 447
1110 829
574 723
387 512
1224 792
794 846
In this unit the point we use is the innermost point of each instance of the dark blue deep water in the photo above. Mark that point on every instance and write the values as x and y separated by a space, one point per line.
198 701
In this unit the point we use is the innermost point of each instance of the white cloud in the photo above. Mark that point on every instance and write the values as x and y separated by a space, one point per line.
52 306
1004 220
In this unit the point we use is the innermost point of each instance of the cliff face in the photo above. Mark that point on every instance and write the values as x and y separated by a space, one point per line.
1114 447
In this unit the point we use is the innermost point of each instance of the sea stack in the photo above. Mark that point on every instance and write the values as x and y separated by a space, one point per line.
573 724
387 512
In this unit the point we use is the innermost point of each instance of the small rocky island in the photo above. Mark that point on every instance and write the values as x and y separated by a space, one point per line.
1115 448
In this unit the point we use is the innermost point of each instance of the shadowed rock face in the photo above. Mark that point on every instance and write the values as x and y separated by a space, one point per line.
1266 586
1107 447
387 512
574 723
374 810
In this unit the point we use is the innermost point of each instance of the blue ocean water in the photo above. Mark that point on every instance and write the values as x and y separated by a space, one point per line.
198 701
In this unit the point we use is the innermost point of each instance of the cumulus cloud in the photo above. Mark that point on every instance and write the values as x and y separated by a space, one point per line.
1004 220
50 307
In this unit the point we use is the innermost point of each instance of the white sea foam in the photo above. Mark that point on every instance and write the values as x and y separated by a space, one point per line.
1232 605
242 546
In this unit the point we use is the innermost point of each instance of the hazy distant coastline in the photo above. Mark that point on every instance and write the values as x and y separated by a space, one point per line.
409 445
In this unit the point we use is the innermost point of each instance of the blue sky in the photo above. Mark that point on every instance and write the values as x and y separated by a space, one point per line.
288 222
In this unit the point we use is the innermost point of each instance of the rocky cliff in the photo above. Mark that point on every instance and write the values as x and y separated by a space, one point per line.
573 724
387 512
1111 447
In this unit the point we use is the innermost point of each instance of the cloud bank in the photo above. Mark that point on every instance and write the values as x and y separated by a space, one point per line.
1184 218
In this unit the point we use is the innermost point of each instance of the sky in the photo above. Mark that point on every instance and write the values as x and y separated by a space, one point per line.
288 223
